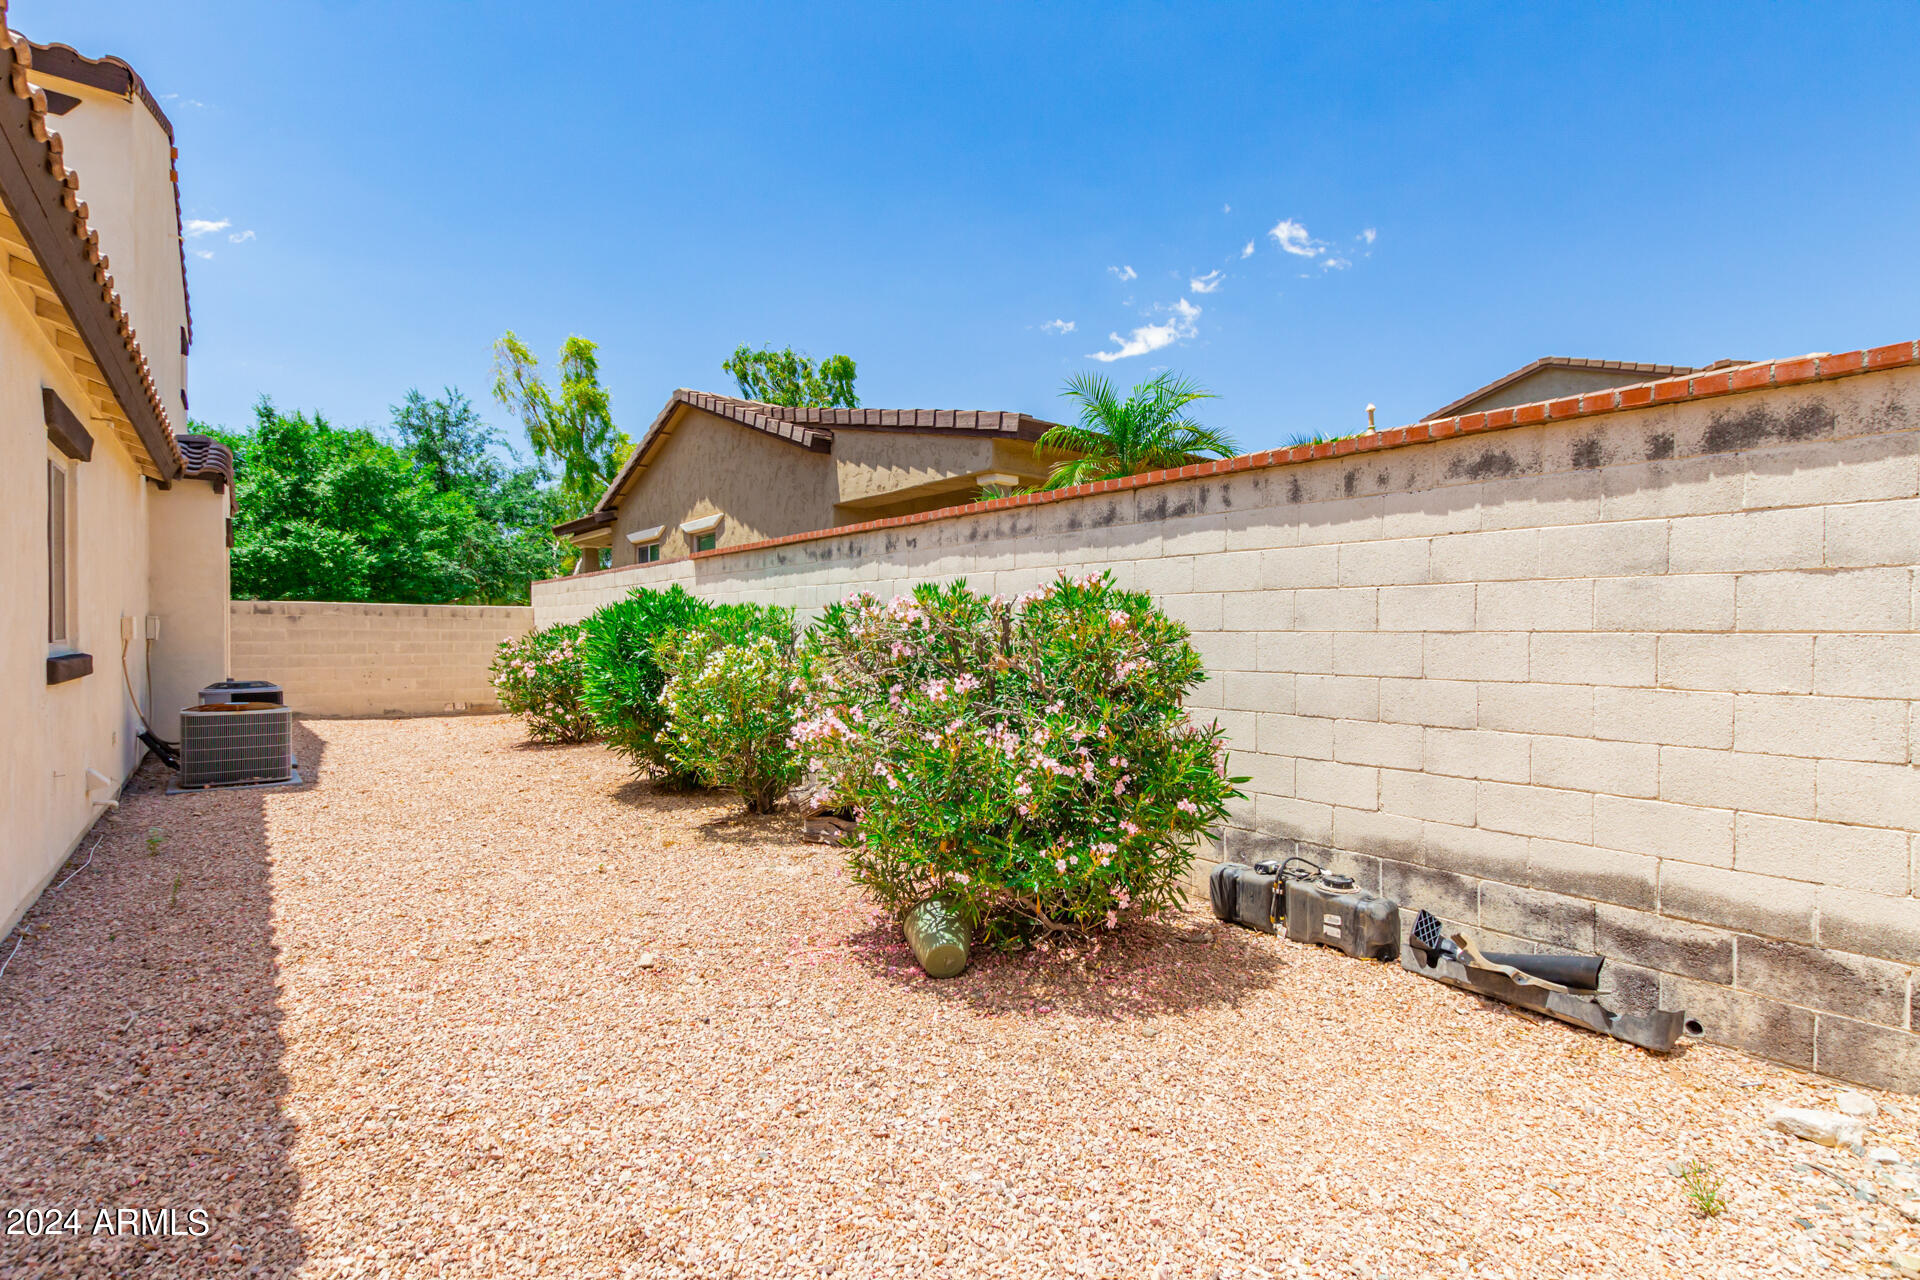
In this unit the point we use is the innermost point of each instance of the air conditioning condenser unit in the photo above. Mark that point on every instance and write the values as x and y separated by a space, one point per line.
232 742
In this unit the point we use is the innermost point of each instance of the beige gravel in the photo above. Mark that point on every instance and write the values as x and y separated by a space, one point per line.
465 1007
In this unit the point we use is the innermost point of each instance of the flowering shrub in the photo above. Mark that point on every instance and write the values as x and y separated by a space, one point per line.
538 679
621 687
730 701
1028 758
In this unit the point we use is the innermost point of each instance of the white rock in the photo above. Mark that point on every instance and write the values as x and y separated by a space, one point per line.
1828 1128
1857 1105
1883 1155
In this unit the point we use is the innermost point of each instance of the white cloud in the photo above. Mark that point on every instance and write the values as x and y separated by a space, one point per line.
1206 283
203 253
1335 264
1058 326
1293 237
1248 251
1152 337
1124 273
1226 208
1368 236
240 237
202 226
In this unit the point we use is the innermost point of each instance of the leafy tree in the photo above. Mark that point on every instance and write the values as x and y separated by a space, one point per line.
1148 431
512 542
324 513
784 377
575 427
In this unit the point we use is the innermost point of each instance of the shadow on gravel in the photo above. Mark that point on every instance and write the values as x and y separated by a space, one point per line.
140 1069
1151 969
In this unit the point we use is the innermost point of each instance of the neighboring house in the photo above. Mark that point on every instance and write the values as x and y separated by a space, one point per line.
1551 377
713 471
113 528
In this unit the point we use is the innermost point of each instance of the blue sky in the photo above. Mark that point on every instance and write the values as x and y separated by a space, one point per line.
1432 195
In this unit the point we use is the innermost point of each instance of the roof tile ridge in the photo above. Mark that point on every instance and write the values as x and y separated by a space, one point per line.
22 51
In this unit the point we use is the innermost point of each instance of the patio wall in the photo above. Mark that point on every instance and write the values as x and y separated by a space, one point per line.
1640 680
374 659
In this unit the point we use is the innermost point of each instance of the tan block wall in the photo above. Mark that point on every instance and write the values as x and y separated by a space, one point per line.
1643 683
374 659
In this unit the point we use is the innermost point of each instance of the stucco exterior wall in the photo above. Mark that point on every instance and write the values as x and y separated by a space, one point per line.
1646 682
766 488
374 659
191 587
58 732
1549 383
890 468
125 161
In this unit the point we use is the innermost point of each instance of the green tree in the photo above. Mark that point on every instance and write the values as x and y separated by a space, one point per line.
1148 431
574 428
324 513
785 377
511 543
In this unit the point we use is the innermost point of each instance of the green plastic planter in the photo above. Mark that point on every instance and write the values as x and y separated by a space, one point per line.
940 938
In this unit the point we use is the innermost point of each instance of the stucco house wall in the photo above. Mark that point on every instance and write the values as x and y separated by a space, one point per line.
765 487
56 733
147 527
1636 672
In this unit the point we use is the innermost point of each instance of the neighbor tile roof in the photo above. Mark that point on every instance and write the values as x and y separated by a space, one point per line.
812 428
1722 379
1647 371
43 197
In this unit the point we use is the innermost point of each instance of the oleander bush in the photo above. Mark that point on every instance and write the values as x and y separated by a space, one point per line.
623 679
1028 758
538 678
730 700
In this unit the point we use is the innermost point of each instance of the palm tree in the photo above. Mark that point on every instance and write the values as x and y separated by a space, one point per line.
1148 431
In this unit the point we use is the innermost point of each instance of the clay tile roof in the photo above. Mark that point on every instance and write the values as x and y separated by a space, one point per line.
43 196
812 428
1648 373
206 459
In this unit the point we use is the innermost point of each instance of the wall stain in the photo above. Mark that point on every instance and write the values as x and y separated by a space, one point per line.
1494 462
1660 446
1350 483
1732 432
1294 492
1589 453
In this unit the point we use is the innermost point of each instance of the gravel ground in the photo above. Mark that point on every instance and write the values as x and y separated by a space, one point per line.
462 1006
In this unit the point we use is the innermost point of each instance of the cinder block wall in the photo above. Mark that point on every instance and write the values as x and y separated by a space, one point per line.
374 659
1639 681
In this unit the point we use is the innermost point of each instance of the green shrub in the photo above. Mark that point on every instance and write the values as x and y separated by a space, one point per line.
730 699
623 675
538 678
1029 758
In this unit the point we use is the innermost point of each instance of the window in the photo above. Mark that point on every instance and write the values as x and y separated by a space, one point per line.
59 554
647 553
705 542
